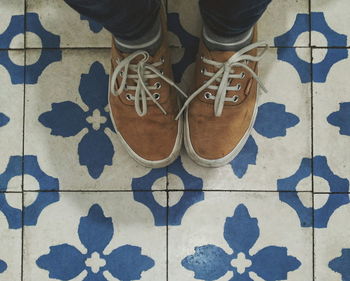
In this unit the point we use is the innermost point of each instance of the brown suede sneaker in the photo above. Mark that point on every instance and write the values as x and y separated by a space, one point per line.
220 114
143 105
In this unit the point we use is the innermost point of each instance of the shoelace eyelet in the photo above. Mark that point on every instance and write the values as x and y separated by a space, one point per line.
202 70
158 85
207 95
239 87
161 72
156 96
121 73
202 57
128 97
162 59
235 98
242 75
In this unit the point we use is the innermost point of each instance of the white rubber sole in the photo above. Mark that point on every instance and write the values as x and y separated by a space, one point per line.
215 163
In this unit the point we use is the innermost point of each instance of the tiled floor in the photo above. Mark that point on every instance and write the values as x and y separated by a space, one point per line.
74 206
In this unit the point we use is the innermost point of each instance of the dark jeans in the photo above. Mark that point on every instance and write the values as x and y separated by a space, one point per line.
129 19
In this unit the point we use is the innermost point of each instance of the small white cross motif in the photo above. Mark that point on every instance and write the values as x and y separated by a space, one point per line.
241 263
96 119
95 262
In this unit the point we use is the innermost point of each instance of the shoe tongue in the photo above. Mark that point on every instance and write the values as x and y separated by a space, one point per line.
221 56
224 56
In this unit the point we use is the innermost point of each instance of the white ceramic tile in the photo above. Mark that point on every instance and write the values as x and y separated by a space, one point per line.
10 243
331 119
277 19
58 18
12 10
337 18
278 157
57 152
204 223
11 113
331 242
110 221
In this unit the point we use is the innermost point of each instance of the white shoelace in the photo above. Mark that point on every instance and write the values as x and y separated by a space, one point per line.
224 76
144 72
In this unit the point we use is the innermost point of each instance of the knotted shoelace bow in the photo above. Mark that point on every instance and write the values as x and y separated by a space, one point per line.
142 72
224 76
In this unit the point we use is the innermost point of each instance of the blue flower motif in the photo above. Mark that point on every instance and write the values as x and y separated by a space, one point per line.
32 212
246 157
168 215
321 69
241 232
308 217
268 113
3 119
341 118
47 57
94 26
3 266
342 264
189 42
67 119
65 262
274 113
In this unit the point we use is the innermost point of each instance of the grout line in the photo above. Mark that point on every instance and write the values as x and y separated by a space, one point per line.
170 46
171 190
23 136
167 236
312 164
310 24
167 200
312 143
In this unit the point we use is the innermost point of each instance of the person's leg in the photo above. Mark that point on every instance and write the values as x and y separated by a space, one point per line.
230 20
126 20
135 24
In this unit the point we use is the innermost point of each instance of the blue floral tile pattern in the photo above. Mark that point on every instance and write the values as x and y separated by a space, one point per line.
10 244
95 232
171 221
189 42
174 214
67 119
47 57
268 113
16 26
32 212
3 119
332 253
3 266
94 26
241 232
246 157
303 68
341 118
336 184
342 264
